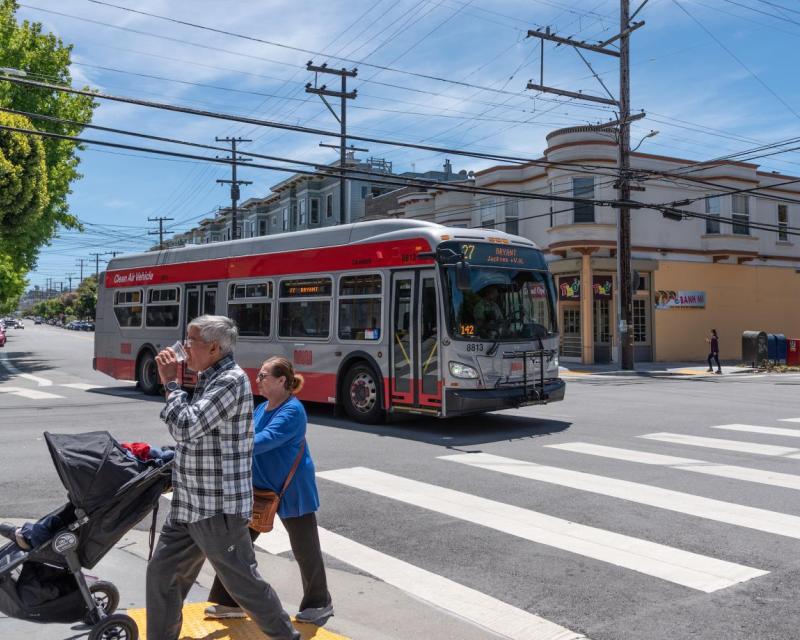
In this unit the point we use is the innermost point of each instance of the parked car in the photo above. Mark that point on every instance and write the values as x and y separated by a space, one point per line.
20 324
2 337
37 321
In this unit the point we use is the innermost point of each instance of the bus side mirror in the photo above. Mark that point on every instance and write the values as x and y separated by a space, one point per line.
463 279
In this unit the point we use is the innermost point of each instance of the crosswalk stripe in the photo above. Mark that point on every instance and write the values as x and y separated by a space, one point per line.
31 394
790 419
769 431
772 478
668 563
726 445
781 524
465 603
42 382
468 604
81 386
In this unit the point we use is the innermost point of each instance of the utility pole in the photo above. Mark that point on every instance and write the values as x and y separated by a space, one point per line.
622 124
69 277
80 262
160 232
233 181
97 264
344 96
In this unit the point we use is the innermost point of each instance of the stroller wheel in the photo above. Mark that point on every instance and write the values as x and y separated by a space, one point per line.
115 627
106 595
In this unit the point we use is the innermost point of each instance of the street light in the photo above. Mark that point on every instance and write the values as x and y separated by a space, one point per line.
9 71
649 135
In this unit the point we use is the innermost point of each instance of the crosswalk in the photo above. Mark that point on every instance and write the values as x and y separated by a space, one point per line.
707 571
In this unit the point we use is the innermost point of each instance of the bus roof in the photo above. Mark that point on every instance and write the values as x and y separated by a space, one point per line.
340 235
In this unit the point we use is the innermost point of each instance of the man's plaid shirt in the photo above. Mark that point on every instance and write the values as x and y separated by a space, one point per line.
212 472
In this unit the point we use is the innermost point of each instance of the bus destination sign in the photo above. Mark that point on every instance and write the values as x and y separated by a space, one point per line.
495 255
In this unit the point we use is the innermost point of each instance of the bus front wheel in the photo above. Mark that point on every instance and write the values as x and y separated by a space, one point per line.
147 374
361 394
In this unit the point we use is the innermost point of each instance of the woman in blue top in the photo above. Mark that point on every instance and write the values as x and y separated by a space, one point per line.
280 429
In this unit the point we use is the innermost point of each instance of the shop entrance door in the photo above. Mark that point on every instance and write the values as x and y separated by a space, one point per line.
602 331
571 344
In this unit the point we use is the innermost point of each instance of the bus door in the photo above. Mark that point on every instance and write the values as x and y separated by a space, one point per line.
201 299
415 369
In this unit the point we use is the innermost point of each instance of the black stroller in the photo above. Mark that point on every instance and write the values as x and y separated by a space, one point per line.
109 493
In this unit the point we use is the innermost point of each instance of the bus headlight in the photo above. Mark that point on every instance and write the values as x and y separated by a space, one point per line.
460 370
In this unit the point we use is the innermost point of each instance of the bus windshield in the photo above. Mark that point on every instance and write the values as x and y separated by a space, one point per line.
502 305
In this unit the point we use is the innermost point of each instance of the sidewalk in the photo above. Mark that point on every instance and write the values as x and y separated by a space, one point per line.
366 608
648 369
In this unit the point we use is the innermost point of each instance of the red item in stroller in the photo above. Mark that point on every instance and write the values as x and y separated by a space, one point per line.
109 493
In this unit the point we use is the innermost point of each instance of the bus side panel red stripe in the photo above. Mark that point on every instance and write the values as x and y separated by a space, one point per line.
318 387
118 368
373 255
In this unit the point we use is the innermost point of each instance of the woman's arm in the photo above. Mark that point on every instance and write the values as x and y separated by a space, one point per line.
286 424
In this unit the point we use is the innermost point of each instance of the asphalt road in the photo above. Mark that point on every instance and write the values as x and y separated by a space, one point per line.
691 532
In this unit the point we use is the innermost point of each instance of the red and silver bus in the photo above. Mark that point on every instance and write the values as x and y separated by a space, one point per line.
380 317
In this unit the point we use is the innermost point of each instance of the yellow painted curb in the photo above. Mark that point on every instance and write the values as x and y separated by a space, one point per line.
573 372
197 627
691 372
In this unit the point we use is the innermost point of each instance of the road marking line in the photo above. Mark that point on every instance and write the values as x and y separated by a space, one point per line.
726 445
781 524
790 419
42 382
463 602
82 386
772 478
751 428
31 394
668 563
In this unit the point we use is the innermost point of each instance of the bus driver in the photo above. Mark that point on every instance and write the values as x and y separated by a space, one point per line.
487 313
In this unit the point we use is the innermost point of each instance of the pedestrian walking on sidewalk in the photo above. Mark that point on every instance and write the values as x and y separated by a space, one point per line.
212 487
280 433
713 339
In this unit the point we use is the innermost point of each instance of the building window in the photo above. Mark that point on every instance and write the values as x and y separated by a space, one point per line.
783 222
713 209
488 213
250 307
512 216
314 211
163 307
364 191
583 188
128 308
301 206
305 308
740 214
285 219
329 205
640 321
262 227
360 307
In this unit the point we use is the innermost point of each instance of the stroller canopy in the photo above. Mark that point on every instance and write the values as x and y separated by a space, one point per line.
93 467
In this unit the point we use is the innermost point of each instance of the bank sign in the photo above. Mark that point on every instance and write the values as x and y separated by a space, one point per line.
680 299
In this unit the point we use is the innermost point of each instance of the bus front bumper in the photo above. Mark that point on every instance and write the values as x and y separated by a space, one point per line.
465 401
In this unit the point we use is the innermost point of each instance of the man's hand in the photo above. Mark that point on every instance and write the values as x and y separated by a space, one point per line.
167 364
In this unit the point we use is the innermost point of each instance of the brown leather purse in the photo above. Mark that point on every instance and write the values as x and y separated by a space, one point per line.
266 502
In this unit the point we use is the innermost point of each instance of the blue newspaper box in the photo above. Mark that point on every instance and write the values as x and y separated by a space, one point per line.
781 348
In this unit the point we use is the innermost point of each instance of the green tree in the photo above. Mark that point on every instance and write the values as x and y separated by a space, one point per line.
86 303
12 283
26 230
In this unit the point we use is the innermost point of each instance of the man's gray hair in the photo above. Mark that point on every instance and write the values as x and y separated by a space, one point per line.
219 329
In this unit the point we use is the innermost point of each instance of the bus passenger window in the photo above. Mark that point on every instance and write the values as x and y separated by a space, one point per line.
360 307
304 308
128 308
250 307
163 307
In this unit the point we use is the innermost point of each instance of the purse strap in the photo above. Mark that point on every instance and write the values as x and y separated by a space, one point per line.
294 467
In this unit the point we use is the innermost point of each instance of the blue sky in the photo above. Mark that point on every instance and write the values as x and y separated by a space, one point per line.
719 80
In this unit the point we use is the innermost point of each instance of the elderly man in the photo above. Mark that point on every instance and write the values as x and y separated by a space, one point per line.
212 487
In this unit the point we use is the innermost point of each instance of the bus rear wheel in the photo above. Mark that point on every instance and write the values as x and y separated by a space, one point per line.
361 394
147 374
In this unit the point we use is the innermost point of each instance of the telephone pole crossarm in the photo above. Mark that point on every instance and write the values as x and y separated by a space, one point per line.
546 35
572 94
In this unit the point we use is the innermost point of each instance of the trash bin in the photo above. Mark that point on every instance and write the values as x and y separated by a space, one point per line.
772 347
754 347
780 348
793 352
